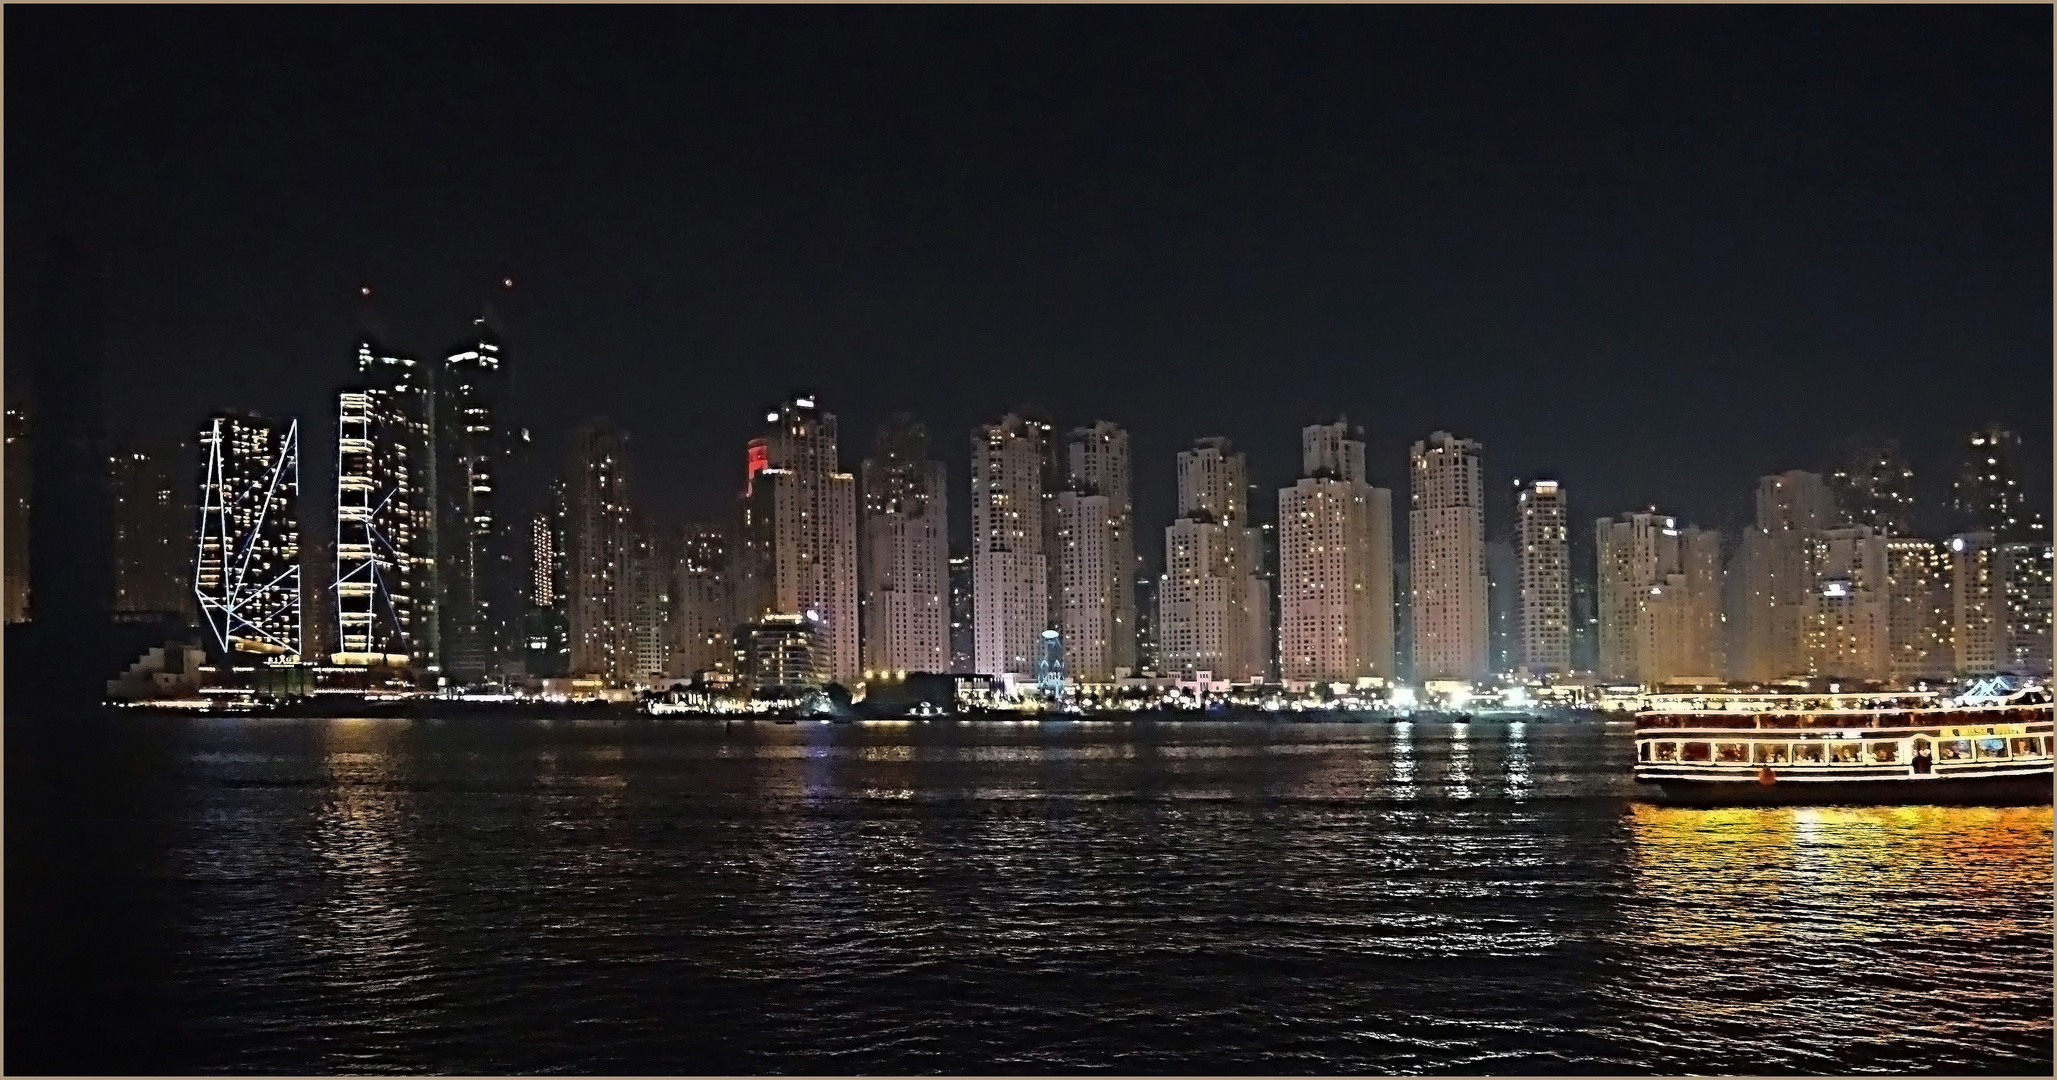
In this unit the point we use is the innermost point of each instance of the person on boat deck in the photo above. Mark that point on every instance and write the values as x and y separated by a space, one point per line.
1921 760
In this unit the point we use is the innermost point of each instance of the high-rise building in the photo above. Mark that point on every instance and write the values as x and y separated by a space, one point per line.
651 570
1099 463
703 609
152 532
1335 579
962 640
1214 614
1874 487
1148 581
546 626
799 533
1774 594
1659 599
1848 628
1503 605
600 542
905 578
1989 492
476 537
1086 574
246 574
1978 627
1446 534
385 522
1010 577
1919 612
17 524
1543 554
2024 568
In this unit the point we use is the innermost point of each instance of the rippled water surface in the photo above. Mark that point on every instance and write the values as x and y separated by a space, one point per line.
314 896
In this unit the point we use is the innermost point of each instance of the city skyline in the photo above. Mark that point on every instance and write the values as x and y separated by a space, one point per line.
1394 287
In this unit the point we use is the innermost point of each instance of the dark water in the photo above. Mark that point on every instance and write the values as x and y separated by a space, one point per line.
309 896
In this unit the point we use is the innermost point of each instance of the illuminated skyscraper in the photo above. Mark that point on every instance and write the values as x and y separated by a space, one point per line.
1543 554
1010 577
1335 581
1446 533
1919 610
1213 614
1989 491
546 629
703 608
152 532
384 519
1084 584
1874 487
2025 571
962 641
476 540
1659 599
905 579
601 543
651 570
1099 463
1774 594
1848 627
246 573
799 534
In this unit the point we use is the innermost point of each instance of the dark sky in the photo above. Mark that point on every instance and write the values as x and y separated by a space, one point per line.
1656 252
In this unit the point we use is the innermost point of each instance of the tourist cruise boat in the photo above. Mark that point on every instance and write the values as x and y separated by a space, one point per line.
1983 748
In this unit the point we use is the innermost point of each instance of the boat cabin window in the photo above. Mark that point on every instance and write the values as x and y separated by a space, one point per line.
1693 751
2027 747
1642 751
1667 751
1807 753
1992 749
1953 750
1732 751
1884 753
1847 752
1769 753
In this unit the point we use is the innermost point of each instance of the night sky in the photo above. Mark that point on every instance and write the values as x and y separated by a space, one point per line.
1654 252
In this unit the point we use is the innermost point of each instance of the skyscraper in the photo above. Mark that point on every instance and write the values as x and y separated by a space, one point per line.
475 538
1214 616
546 627
384 520
1446 533
1335 581
600 544
1771 620
962 640
1099 461
2025 573
905 569
799 533
651 571
1874 487
246 573
1010 577
1989 492
1543 552
1919 610
152 532
703 607
1659 594
1084 585
1848 628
